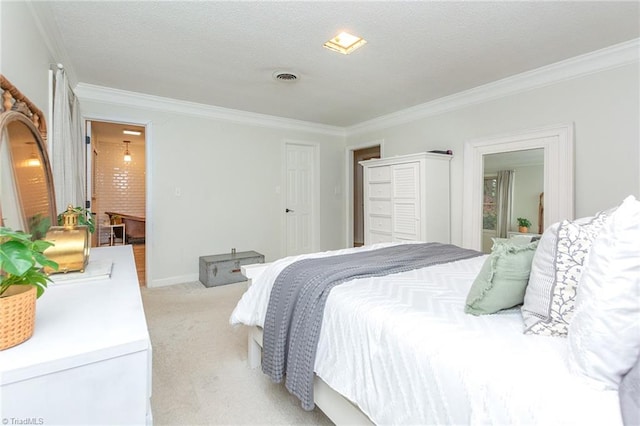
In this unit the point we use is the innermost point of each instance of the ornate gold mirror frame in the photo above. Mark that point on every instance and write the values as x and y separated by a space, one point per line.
27 198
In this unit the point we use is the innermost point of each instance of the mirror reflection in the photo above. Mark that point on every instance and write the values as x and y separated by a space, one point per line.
513 188
25 181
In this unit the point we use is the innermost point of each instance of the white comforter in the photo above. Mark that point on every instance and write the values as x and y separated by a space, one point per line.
403 350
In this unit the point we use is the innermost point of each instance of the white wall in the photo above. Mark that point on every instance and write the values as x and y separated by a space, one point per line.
24 57
604 107
227 174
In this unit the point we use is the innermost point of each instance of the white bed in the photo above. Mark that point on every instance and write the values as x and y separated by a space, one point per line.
403 351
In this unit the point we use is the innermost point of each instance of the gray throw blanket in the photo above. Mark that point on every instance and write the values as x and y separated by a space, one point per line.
296 305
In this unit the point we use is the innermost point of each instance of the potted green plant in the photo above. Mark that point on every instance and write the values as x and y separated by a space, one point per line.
22 280
523 225
115 219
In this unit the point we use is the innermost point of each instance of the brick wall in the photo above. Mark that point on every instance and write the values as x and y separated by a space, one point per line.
119 186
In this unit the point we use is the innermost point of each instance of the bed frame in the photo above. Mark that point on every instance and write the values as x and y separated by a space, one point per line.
340 410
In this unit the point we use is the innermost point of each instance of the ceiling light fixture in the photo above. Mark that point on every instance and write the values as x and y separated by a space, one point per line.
132 132
127 154
33 160
345 43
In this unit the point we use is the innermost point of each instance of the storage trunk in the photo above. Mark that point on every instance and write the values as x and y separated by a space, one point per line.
223 269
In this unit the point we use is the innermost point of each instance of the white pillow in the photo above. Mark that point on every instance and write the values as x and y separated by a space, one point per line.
604 335
538 292
550 296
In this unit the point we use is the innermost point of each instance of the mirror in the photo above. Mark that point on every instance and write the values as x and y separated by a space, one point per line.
556 143
27 200
513 182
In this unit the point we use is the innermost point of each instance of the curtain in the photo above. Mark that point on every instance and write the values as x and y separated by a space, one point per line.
504 190
68 156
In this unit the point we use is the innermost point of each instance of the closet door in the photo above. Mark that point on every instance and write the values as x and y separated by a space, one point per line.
406 214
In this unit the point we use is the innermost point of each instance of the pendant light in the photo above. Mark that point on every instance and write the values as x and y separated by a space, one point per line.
127 154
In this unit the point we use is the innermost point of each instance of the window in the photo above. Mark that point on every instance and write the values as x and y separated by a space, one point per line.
489 215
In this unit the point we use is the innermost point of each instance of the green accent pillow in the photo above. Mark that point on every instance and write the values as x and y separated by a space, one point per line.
503 278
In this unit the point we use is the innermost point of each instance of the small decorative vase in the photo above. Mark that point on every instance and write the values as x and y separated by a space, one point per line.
523 229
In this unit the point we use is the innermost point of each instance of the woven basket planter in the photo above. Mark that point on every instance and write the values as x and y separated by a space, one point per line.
17 315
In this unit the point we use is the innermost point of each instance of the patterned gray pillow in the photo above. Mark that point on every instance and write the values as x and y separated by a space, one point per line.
550 312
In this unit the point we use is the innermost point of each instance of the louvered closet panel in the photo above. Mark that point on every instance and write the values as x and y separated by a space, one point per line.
406 201
406 181
407 198
406 221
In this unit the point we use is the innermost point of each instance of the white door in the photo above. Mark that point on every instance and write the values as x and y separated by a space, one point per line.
90 166
91 180
300 198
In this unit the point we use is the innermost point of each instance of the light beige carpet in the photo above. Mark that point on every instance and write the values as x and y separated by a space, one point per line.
200 371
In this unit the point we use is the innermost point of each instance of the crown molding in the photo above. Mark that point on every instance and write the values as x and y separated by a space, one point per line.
101 94
589 63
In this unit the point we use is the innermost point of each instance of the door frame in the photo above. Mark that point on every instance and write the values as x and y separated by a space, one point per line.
315 196
148 125
349 183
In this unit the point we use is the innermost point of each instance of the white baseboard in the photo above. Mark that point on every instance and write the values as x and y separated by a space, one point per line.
163 282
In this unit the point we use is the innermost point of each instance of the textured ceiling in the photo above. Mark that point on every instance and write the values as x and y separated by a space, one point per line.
224 53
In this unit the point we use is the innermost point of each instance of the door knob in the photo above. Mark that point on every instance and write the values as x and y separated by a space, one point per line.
288 210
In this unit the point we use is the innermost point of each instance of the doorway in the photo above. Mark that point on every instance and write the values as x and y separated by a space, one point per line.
358 191
116 177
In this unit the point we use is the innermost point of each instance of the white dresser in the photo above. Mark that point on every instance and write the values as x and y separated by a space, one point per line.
89 359
407 198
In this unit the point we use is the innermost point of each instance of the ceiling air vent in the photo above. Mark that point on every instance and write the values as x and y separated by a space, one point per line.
284 76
